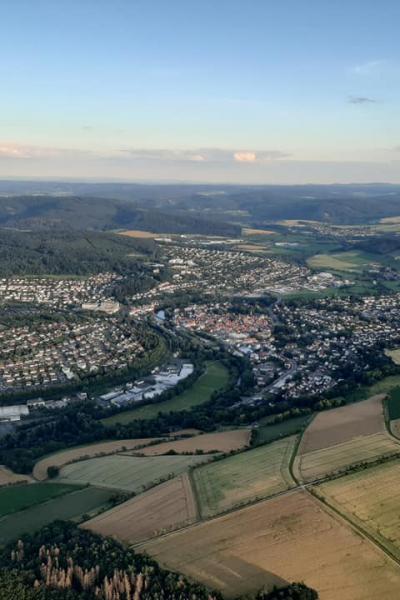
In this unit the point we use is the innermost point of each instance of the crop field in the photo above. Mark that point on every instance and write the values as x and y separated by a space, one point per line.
136 233
317 464
17 497
129 473
70 455
224 441
370 498
163 508
68 506
270 433
288 538
341 261
215 377
342 424
247 476
8 477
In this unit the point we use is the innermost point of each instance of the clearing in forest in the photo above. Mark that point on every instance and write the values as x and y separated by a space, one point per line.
244 477
289 538
163 508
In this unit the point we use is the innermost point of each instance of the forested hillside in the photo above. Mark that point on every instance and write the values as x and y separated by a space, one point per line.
63 562
75 253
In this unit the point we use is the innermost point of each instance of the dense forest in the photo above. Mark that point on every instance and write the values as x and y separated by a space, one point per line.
64 562
72 253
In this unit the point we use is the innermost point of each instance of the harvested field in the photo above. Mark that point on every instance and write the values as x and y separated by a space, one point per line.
69 506
8 477
248 231
317 464
370 498
163 508
70 455
136 233
224 441
343 424
245 477
290 538
130 473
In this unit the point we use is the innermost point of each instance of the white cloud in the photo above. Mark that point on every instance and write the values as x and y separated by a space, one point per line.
245 156
369 67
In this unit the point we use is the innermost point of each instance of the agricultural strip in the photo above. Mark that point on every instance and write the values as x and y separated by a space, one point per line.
129 473
64 457
288 538
371 499
8 477
69 506
339 438
18 497
163 508
215 377
224 441
245 477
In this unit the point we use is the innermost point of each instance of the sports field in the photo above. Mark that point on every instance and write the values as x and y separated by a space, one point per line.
370 498
17 497
68 506
223 441
215 377
165 507
288 538
127 472
248 476
70 455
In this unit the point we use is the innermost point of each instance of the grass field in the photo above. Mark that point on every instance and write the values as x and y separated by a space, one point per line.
371 499
244 477
18 497
68 506
270 433
163 508
127 472
223 441
288 538
70 455
215 377
351 261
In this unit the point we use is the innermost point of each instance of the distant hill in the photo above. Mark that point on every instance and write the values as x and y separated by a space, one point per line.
199 209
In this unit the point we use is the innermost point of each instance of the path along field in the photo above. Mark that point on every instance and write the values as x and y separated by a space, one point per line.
68 506
290 538
245 477
70 455
371 499
129 473
163 508
8 477
224 441
344 436
215 377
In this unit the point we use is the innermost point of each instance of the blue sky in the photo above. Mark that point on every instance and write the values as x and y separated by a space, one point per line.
257 91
